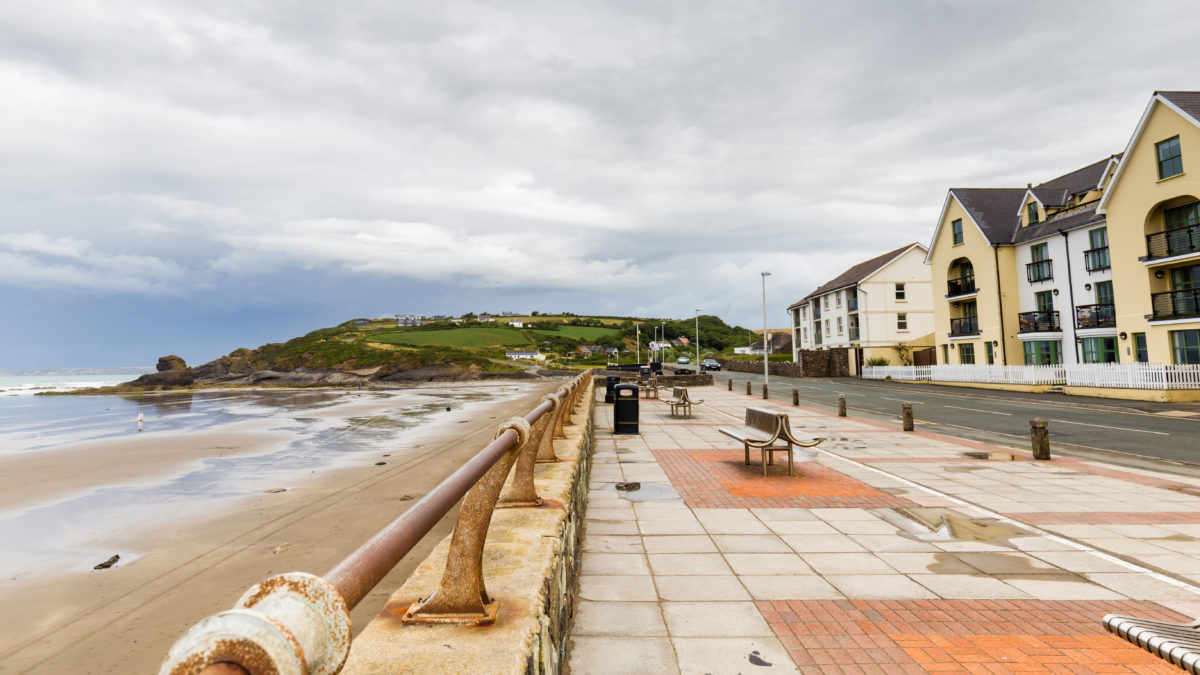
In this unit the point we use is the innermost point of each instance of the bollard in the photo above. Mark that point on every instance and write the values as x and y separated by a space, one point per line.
1039 435
908 416
748 387
730 383
841 405
139 421
764 390
795 396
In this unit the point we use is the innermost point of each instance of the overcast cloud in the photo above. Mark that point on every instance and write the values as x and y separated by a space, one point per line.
194 177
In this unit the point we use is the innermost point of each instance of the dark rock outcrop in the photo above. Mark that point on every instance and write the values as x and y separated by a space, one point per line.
172 372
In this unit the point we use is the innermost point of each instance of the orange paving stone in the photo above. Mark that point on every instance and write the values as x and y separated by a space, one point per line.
721 479
961 636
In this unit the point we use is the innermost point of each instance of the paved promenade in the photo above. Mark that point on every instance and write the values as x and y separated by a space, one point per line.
891 552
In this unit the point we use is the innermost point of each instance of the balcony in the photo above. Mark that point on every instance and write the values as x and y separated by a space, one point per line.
854 332
816 312
1096 259
851 304
1039 271
1038 322
960 286
1174 242
967 325
1096 316
1176 304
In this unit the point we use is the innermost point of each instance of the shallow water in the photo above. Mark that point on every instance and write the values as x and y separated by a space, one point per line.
69 534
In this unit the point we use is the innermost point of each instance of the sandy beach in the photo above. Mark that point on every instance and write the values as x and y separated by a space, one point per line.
195 556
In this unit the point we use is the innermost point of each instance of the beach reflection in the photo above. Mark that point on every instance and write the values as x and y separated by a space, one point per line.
323 429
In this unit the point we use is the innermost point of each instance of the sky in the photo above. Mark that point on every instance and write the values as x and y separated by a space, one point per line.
189 178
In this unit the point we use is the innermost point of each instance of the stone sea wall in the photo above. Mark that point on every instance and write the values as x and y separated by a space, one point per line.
813 363
531 561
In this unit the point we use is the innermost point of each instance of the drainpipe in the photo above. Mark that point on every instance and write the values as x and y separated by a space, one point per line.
1071 292
864 337
1000 300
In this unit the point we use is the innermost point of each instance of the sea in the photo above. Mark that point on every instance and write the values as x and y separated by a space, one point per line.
317 429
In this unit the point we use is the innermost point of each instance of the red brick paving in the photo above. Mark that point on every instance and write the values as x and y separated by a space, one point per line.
960 636
721 479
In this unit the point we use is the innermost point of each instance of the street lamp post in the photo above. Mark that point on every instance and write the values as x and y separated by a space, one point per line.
662 339
697 337
766 371
638 341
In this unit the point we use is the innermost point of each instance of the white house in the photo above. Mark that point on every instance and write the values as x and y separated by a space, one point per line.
876 306
519 355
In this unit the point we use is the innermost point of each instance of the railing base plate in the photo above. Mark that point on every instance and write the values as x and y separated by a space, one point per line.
515 505
490 611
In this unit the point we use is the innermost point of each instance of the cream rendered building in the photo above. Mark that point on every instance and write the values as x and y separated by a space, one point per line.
877 306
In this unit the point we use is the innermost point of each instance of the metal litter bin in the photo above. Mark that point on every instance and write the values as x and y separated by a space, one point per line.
645 372
610 381
625 409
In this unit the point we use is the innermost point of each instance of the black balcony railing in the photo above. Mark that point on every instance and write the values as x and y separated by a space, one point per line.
1096 259
1040 270
960 286
854 332
851 304
1096 316
967 325
1038 322
1173 242
1176 303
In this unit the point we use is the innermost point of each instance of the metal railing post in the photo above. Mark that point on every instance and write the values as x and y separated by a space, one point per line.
462 597
545 450
522 491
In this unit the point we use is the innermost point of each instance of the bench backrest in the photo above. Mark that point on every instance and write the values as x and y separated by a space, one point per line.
763 420
679 393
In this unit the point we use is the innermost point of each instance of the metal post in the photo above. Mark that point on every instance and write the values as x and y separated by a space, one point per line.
638 328
841 405
697 337
766 372
764 390
1039 435
747 387
908 416
522 492
730 383
140 421
795 396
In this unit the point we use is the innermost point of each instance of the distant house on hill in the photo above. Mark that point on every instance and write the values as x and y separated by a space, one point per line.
523 355
362 322
588 350
516 323
485 317
612 351
405 320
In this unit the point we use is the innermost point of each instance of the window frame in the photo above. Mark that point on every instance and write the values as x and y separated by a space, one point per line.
966 354
1141 350
901 292
901 320
1044 301
1162 161
1190 347
1031 213
956 230
1097 349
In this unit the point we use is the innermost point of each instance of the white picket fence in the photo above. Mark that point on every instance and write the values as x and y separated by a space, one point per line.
1113 375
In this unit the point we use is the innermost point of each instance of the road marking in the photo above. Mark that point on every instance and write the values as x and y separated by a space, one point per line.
993 412
902 400
1102 426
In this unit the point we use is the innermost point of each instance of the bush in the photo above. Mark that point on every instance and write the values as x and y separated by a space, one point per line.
877 361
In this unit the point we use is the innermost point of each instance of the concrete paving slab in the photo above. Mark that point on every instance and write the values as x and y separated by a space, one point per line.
878 586
732 655
968 586
617 588
790 587
822 543
700 588
767 563
618 618
614 563
715 619
679 544
676 564
623 655
750 543
847 563
1061 587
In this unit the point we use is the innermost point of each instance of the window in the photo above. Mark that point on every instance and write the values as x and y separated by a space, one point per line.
803 313
1185 278
900 292
966 354
804 335
1139 348
1182 216
946 354
1098 237
1043 352
827 329
825 301
1185 346
1045 301
1096 258
902 321
1040 252
991 355
1039 269
838 299
1031 209
1170 158
956 227
839 319
1099 350
970 309
1104 293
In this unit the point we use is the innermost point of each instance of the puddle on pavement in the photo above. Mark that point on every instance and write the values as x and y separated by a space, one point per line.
945 525
646 492
994 456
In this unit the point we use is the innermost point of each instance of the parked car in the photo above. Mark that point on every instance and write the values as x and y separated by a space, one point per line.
710 364
683 359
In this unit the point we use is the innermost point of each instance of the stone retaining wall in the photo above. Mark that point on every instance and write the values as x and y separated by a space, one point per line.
531 561
813 363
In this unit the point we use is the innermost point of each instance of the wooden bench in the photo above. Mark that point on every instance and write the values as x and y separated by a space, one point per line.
649 387
762 430
1178 643
680 401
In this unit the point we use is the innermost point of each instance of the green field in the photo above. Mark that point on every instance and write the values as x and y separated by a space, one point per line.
458 337
577 332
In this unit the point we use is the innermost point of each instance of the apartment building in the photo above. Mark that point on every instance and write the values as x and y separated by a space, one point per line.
877 305
1100 265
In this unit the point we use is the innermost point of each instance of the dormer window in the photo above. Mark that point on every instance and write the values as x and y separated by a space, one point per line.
1031 207
1170 158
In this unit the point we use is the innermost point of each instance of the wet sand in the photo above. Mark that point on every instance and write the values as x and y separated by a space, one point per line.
200 561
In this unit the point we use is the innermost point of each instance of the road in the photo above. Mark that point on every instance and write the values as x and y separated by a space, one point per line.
1127 432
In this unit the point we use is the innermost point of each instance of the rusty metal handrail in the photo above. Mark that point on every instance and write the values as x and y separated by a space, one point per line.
298 622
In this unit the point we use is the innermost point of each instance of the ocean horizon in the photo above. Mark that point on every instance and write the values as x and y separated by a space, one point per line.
29 382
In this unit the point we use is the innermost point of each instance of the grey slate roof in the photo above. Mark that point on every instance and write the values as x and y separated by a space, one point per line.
994 209
856 274
1067 221
1188 101
1079 180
